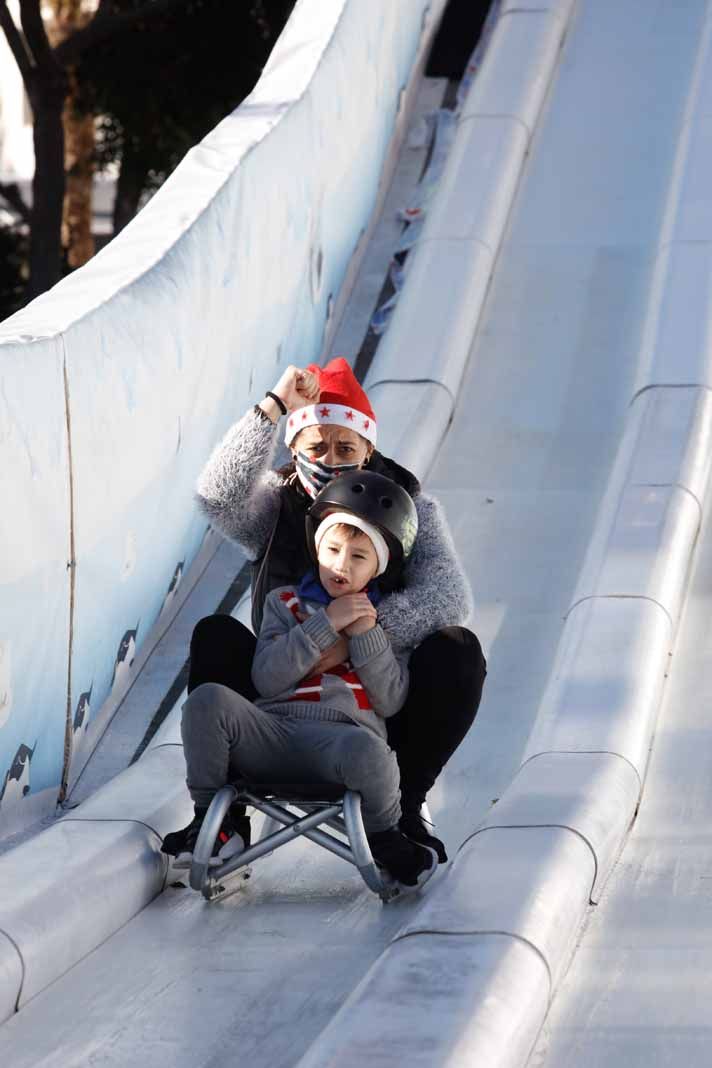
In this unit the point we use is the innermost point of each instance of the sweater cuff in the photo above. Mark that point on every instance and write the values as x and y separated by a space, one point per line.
363 647
319 629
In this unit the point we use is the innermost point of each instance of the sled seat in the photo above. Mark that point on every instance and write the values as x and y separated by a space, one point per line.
291 810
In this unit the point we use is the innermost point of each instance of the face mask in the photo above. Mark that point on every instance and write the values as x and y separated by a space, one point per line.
314 475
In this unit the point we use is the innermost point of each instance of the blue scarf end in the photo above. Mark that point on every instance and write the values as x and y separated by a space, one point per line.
312 590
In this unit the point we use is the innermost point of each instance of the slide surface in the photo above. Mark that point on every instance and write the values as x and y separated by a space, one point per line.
638 990
521 473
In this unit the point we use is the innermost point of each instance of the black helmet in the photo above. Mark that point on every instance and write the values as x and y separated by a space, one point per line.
378 500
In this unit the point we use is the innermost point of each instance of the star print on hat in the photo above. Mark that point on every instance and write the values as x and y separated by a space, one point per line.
342 402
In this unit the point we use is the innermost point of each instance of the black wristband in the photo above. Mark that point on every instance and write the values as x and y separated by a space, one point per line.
278 401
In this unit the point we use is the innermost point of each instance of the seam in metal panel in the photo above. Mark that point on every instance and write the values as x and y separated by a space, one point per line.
669 485
110 819
668 385
619 597
15 946
496 115
537 826
412 382
482 933
554 12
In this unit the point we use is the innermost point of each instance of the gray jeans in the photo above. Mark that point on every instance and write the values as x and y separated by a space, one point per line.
226 737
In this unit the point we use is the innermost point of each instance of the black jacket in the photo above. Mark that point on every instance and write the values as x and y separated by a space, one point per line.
287 554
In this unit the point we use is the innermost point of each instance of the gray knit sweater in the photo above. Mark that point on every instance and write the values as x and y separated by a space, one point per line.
239 493
289 649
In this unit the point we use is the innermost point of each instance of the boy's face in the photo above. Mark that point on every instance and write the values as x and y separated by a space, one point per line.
346 565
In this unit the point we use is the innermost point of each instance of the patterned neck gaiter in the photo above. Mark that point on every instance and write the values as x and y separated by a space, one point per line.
314 475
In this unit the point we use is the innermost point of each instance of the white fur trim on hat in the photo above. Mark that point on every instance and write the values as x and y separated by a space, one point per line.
330 415
377 539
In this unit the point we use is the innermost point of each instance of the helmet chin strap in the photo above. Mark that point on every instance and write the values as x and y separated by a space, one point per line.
314 475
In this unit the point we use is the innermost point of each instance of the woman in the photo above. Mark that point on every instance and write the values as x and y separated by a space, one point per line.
330 429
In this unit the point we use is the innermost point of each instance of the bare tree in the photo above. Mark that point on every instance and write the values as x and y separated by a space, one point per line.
46 74
79 140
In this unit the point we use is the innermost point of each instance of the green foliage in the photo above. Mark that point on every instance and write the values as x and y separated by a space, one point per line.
14 253
165 82
158 84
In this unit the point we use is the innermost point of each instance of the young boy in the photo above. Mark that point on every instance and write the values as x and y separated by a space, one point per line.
327 678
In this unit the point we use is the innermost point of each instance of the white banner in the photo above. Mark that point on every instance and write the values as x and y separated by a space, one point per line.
35 553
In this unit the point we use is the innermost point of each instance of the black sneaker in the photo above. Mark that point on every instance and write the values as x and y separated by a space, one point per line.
409 864
233 837
414 827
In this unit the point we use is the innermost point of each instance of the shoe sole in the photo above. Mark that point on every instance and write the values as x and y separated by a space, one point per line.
184 860
412 888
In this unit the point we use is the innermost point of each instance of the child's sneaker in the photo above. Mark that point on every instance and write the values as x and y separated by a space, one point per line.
409 864
233 837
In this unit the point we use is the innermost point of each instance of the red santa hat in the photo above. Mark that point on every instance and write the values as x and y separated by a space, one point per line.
342 402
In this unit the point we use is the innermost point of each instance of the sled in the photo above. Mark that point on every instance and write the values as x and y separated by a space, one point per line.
291 811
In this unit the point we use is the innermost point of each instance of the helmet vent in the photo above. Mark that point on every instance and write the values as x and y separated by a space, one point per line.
386 502
358 487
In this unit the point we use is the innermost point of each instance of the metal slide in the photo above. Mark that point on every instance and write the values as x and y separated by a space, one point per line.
257 977
637 992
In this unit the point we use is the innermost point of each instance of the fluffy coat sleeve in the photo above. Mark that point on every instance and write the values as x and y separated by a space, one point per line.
237 490
435 592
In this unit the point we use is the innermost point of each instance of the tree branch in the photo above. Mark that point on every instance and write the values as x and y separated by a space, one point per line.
10 191
16 43
35 33
103 26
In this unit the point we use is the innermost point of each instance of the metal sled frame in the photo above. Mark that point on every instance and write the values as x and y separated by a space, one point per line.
331 806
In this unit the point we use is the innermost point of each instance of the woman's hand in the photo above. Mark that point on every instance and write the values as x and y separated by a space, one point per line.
343 611
295 388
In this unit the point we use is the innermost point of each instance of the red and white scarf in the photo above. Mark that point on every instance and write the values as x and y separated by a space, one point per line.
311 688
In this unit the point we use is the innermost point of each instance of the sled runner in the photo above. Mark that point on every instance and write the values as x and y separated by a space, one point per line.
291 811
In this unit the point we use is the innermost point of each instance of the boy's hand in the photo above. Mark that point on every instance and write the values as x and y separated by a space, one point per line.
335 654
362 624
344 611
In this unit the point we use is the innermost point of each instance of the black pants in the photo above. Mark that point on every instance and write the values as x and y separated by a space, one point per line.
447 673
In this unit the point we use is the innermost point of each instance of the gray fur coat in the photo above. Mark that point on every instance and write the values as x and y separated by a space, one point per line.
239 493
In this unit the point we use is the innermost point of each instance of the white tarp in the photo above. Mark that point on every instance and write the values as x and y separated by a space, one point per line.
34 576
